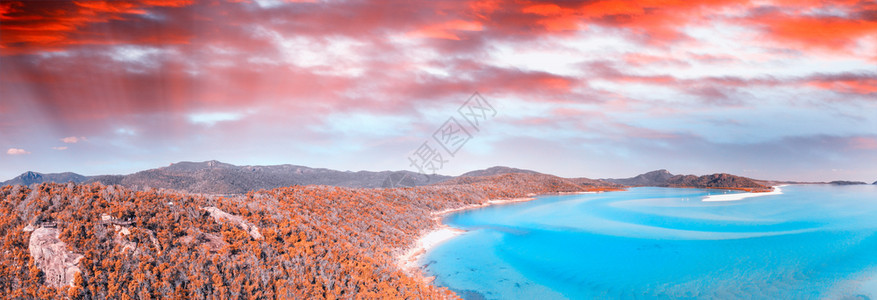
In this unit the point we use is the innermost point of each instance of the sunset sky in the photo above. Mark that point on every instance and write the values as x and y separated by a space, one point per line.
782 89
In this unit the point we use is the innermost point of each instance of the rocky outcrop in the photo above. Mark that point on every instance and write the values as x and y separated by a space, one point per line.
51 256
220 215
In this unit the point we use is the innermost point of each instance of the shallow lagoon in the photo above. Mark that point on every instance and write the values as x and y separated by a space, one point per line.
813 241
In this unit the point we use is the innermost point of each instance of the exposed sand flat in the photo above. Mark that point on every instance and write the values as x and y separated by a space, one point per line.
777 190
50 254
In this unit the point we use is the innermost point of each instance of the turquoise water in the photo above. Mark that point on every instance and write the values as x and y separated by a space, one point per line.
813 241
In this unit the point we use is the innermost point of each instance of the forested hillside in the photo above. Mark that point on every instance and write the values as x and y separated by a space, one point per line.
214 177
294 242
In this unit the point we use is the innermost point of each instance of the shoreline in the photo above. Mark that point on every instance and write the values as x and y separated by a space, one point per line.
777 190
407 261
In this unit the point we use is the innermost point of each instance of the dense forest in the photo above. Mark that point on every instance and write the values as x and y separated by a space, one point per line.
292 242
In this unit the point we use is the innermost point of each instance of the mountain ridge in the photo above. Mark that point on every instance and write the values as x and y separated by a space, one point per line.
663 178
215 177
496 170
31 177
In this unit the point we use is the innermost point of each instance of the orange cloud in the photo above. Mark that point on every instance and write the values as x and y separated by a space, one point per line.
27 27
72 139
448 30
862 86
820 32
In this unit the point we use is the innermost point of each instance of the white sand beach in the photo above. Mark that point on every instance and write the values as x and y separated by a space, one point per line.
408 260
437 215
777 190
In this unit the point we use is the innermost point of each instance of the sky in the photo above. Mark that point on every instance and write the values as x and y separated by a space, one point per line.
776 89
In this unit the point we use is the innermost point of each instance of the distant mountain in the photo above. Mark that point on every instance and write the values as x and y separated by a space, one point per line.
875 182
844 182
216 177
501 170
666 179
587 182
497 171
29 177
653 178
523 181
721 180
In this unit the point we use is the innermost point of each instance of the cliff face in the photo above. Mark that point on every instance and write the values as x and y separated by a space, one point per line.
51 256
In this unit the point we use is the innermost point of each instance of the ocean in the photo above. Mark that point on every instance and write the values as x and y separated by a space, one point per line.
812 241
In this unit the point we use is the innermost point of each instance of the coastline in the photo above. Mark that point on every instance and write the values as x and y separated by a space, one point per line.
777 190
407 261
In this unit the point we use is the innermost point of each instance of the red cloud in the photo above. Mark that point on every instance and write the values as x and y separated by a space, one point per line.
862 86
807 25
830 33
27 27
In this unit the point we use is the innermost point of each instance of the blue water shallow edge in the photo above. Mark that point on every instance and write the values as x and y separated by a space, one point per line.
813 241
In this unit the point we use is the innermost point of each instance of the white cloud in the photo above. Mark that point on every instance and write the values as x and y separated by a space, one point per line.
60 148
16 151
126 131
212 118
73 139
325 56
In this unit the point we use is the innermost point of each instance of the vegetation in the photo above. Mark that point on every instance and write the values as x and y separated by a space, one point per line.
312 241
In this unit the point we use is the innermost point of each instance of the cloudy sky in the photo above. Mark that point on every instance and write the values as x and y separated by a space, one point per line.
777 89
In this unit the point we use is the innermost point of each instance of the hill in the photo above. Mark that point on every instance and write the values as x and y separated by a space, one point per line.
298 242
721 180
497 170
663 178
30 177
214 177
845 182
531 181
653 178
220 178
